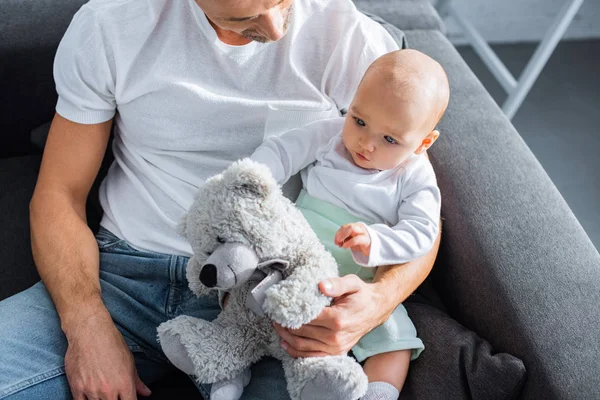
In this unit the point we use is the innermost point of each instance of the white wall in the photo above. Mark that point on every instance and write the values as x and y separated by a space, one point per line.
508 21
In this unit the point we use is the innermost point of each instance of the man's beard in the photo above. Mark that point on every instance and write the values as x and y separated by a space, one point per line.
254 35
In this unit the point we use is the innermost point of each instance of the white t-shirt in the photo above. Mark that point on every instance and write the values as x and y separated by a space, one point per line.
187 105
402 205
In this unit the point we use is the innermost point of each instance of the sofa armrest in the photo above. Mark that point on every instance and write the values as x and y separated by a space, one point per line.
515 265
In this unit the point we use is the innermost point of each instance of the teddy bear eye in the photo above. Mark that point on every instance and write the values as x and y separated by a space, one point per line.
220 239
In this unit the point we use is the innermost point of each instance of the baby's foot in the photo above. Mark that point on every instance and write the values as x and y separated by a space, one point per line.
381 391
230 389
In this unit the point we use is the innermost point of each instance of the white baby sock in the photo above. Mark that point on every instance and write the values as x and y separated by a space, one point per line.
380 391
230 389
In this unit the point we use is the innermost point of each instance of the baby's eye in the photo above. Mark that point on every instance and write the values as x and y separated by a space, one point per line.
220 239
390 139
359 122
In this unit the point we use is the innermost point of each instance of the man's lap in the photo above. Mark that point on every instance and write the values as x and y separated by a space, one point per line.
32 343
141 290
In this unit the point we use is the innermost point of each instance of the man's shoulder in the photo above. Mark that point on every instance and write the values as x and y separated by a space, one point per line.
340 14
124 11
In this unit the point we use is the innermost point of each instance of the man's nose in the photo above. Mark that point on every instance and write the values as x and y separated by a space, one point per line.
272 24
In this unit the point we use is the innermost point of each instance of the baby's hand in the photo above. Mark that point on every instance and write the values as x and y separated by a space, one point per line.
354 236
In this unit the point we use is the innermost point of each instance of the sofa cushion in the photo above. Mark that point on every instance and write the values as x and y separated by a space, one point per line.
457 363
39 135
17 181
405 14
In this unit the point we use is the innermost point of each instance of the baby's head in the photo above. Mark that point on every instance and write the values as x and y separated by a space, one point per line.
395 110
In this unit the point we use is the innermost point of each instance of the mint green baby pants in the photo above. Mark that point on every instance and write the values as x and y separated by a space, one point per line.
398 332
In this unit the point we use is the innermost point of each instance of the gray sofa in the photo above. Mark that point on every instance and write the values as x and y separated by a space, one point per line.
515 268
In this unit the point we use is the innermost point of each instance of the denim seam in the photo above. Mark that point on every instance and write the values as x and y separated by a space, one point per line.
148 352
170 306
123 245
109 245
32 381
136 347
109 240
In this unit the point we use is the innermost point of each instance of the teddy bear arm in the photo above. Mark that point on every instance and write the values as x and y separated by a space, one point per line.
297 300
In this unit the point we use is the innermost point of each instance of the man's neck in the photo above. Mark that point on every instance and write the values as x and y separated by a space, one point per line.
229 37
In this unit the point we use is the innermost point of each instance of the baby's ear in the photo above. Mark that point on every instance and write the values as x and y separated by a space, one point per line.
428 141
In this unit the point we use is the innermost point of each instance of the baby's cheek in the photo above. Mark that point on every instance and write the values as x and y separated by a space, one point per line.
345 138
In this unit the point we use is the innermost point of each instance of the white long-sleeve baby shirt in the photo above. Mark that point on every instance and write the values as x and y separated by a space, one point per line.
400 206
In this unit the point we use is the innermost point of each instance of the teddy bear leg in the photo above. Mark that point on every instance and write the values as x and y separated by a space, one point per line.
231 389
216 351
325 378
175 351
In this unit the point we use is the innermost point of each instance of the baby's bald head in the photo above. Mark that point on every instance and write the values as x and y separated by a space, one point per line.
411 77
395 110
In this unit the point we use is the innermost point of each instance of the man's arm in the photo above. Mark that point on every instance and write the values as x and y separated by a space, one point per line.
397 282
98 362
358 307
64 248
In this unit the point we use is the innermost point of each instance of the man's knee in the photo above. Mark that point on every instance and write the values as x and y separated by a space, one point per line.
28 313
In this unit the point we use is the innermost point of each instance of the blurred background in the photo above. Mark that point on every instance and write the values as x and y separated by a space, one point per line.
559 118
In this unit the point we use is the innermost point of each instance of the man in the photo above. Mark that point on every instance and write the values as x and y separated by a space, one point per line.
190 86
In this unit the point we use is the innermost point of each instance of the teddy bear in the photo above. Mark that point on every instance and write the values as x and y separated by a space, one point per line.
250 241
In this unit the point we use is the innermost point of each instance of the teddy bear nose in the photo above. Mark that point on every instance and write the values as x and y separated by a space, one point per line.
208 275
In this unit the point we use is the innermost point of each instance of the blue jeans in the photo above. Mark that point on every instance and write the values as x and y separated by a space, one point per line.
141 289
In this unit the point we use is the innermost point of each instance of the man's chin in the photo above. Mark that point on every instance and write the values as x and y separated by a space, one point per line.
254 36
257 38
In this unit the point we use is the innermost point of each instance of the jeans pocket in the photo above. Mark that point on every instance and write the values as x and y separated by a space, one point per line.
106 239
108 242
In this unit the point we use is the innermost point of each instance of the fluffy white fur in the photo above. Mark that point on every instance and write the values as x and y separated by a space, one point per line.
244 205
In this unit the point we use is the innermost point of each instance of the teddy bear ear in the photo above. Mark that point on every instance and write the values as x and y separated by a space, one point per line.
250 190
182 225
251 179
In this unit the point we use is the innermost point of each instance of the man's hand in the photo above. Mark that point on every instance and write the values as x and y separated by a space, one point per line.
358 307
356 310
98 363
355 237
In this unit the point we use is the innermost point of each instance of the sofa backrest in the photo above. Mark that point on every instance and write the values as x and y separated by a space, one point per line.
30 31
405 14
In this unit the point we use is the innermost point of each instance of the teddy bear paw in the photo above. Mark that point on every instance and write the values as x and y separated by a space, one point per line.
231 389
176 352
291 305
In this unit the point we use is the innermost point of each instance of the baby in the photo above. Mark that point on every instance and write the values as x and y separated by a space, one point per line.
370 193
